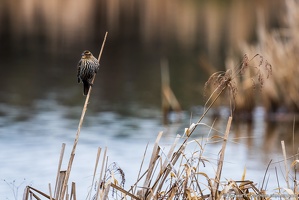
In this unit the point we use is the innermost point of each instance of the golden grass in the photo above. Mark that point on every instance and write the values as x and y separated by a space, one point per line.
175 173
172 173
281 47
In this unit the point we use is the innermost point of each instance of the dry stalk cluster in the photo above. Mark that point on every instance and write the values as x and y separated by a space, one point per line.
244 78
175 173
279 46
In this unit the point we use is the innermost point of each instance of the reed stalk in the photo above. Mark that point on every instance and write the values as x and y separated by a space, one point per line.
56 193
65 183
285 163
94 172
155 156
50 191
73 191
221 159
100 182
133 188
168 98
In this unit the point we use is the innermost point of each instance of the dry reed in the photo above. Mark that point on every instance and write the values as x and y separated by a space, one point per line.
172 173
176 173
169 101
65 183
62 177
280 45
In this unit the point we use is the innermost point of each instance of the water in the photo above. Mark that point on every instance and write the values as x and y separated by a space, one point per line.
41 102
30 146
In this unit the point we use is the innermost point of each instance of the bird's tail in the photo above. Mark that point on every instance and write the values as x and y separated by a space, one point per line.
85 87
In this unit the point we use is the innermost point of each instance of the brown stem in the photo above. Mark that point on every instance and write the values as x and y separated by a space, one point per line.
78 131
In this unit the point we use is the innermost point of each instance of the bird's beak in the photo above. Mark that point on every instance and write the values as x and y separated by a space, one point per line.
82 54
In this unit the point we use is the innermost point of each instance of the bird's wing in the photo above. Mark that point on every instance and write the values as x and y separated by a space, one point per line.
78 70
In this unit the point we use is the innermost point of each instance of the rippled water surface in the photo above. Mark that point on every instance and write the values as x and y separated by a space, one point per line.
30 145
41 102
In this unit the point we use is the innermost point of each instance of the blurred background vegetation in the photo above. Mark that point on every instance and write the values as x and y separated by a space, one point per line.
41 43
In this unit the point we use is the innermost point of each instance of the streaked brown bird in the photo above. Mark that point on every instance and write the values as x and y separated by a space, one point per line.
87 68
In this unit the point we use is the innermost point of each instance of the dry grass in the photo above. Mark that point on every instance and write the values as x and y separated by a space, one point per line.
280 46
251 71
176 172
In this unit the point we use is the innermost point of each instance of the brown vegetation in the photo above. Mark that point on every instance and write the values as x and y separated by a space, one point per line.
175 173
280 46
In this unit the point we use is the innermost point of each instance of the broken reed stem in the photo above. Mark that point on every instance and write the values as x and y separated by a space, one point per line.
105 186
165 165
79 129
103 163
138 176
221 159
58 169
94 172
124 191
285 162
277 183
73 191
168 98
152 163
38 191
50 191
100 182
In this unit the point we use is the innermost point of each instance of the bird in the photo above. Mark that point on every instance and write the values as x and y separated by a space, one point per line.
87 67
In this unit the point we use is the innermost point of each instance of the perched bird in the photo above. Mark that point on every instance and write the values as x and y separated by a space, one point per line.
87 68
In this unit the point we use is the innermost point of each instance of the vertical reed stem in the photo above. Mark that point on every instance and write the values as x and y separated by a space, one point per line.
58 171
285 162
94 172
221 159
79 129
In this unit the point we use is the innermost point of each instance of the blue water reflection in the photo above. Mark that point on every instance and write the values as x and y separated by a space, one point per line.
30 146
